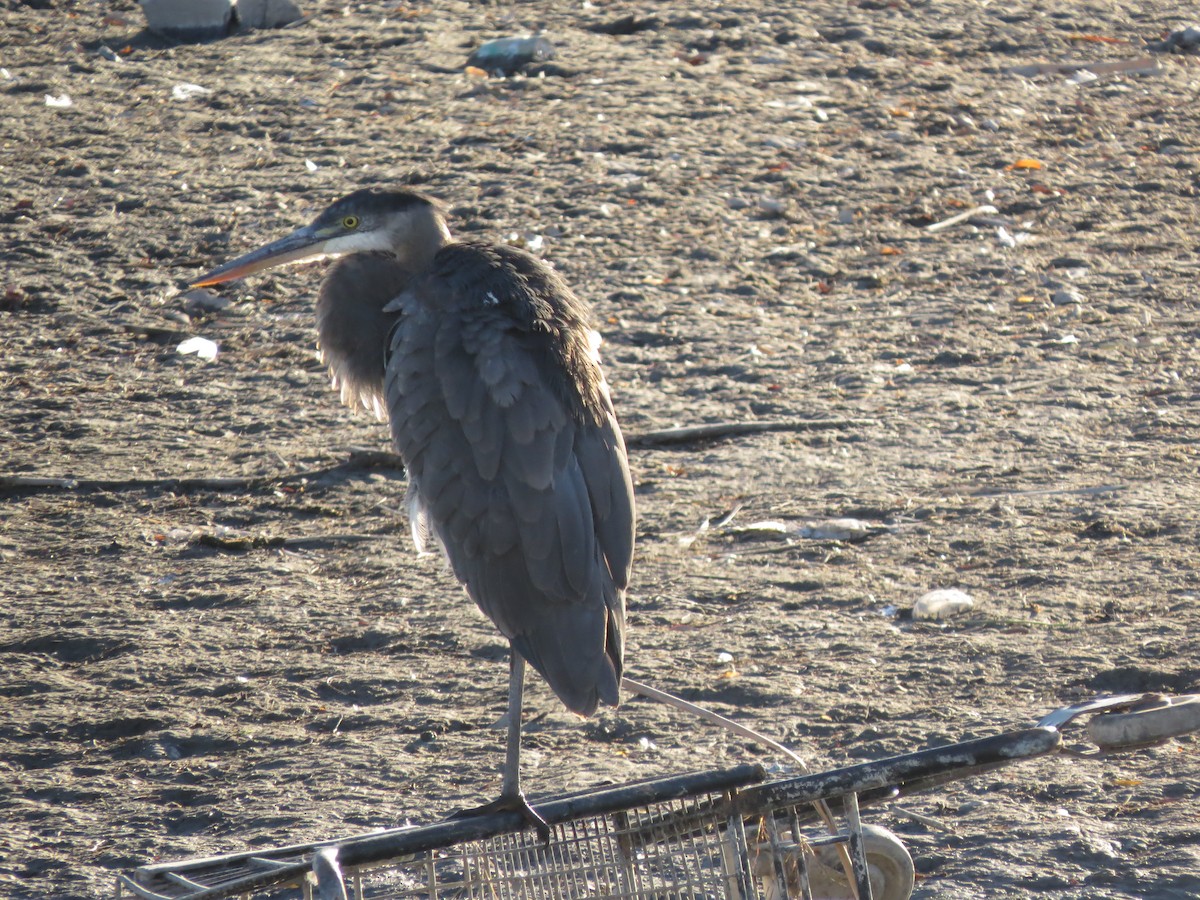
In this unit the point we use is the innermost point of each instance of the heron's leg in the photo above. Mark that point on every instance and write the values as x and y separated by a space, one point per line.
512 753
511 796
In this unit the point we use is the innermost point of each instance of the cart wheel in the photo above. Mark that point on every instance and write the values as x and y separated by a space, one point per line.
891 867
1152 720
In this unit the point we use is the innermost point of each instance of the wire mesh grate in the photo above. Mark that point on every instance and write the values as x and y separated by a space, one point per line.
690 849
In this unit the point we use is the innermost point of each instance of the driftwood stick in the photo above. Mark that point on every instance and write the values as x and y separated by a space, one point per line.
368 459
359 459
698 433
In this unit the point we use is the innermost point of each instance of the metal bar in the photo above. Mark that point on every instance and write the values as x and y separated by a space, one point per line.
898 770
858 850
801 856
399 842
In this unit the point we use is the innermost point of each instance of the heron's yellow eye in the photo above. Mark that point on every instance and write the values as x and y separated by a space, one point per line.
350 222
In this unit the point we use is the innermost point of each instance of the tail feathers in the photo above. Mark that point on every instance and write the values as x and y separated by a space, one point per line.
581 675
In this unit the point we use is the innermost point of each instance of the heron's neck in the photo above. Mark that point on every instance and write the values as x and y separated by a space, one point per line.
425 235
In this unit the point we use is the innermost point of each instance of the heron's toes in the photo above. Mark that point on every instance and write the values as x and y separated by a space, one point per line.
513 803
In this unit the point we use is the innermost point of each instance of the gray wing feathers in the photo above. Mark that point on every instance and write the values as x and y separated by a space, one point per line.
520 493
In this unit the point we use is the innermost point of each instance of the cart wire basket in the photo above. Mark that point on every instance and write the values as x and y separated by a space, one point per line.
732 834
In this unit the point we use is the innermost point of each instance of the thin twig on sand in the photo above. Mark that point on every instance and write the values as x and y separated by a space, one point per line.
381 459
690 434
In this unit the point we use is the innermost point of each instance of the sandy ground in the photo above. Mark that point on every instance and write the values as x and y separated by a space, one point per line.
741 191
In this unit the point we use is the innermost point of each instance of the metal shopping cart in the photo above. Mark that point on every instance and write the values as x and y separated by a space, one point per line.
733 834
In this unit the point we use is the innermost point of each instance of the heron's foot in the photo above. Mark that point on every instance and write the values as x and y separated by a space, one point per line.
513 803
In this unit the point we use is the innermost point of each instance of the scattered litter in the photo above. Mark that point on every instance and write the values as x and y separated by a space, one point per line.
507 56
1142 65
826 530
724 657
942 604
310 165
1066 339
962 217
202 347
109 53
59 101
766 528
1011 239
187 91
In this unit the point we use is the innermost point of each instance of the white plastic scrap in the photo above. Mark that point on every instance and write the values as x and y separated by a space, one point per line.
59 101
202 347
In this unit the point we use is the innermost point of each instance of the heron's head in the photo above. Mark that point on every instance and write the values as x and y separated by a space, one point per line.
403 223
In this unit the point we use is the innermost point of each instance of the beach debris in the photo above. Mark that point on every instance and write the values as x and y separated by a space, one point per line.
202 347
1152 720
190 20
822 530
507 56
942 604
59 101
202 300
1141 65
962 217
206 20
1185 40
187 91
1066 297
267 13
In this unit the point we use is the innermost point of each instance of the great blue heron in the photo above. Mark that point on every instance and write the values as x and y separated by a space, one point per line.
482 360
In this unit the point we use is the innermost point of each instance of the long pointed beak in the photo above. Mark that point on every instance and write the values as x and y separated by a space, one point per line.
300 246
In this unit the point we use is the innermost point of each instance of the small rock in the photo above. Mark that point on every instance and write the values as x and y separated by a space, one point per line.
1066 296
1185 40
630 24
942 604
203 301
771 206
267 13
190 20
1068 262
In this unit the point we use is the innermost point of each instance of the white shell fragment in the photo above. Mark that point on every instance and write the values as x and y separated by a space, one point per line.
186 91
202 347
836 530
942 604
